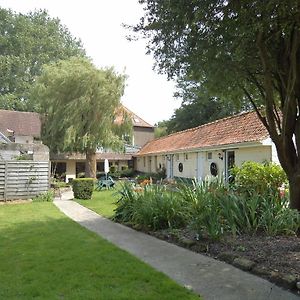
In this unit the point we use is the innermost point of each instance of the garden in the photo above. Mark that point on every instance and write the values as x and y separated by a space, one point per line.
247 223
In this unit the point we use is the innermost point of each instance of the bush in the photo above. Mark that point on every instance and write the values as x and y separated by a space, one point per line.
259 177
215 209
44 197
151 207
83 188
210 207
203 202
127 172
81 175
112 169
59 184
154 176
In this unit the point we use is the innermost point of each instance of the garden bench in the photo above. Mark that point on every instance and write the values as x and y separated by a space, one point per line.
105 182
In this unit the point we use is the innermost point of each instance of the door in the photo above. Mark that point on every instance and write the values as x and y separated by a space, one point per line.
170 166
200 166
229 163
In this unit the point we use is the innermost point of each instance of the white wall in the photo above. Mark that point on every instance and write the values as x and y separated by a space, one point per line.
215 159
189 162
256 154
24 139
193 168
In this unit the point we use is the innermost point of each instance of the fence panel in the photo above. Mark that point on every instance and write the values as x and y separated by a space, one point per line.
23 179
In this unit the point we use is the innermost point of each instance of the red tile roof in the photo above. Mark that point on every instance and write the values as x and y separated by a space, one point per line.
136 120
245 127
22 123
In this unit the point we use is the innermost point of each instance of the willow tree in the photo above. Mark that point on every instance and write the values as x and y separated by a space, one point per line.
79 103
237 50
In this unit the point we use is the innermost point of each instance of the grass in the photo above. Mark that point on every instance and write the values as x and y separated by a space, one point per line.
102 202
45 255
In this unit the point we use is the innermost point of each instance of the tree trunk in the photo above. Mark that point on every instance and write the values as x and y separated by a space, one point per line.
294 183
284 155
90 163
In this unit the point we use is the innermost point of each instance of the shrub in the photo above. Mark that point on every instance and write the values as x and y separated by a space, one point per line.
127 172
59 184
146 176
151 207
44 197
112 169
83 188
203 202
215 209
276 216
81 175
259 177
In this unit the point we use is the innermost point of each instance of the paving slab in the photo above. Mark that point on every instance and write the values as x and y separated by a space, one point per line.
206 276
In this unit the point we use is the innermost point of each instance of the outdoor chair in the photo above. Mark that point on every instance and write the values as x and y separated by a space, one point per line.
105 182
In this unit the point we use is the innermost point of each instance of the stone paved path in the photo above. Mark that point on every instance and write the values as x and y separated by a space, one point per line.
210 278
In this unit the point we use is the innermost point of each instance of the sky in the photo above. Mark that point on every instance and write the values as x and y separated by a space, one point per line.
98 23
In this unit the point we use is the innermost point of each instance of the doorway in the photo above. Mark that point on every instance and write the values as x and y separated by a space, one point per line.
229 163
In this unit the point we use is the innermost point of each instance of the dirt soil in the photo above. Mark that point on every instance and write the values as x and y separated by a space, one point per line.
274 258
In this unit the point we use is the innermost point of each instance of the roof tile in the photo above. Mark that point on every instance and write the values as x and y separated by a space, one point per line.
245 127
22 123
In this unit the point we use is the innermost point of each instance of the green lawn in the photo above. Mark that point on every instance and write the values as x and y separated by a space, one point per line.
102 202
45 255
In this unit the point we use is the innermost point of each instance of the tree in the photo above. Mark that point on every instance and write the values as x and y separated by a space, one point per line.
239 50
160 129
198 107
27 42
79 103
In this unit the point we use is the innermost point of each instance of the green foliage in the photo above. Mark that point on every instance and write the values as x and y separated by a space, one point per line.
112 169
210 208
237 51
83 188
203 203
198 108
29 41
129 172
259 177
216 209
73 94
44 197
152 207
160 129
56 184
23 157
154 176
79 103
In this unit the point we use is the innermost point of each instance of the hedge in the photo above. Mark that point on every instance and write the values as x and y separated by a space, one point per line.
83 188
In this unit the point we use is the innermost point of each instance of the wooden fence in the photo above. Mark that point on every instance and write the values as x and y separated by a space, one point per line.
23 179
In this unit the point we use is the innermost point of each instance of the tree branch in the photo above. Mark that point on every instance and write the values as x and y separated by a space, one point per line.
269 96
262 119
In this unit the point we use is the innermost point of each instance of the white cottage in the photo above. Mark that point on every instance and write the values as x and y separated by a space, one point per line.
210 149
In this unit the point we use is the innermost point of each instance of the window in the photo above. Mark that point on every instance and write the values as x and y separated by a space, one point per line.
177 156
186 156
180 167
209 155
144 161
